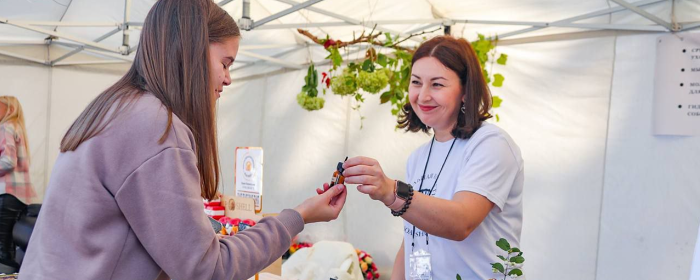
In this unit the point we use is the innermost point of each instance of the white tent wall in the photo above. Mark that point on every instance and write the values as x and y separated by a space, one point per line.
650 215
555 107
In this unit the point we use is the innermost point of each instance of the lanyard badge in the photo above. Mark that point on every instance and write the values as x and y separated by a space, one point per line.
419 261
420 266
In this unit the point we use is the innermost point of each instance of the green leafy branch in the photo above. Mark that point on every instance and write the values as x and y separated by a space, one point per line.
512 262
486 51
379 72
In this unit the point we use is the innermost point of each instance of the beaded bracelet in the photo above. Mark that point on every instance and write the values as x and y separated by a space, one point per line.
405 206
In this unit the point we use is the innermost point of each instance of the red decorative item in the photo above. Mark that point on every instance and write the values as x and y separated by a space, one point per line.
328 43
296 246
213 202
249 222
216 212
225 220
369 269
326 79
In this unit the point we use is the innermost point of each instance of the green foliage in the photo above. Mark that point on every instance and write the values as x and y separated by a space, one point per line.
503 244
308 97
517 259
485 52
515 272
345 84
310 103
375 81
499 267
496 102
511 264
502 59
335 57
386 73
498 80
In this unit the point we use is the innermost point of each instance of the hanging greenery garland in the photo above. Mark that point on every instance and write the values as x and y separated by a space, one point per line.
388 74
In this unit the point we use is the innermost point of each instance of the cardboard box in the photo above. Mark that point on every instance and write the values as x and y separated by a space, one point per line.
239 207
275 268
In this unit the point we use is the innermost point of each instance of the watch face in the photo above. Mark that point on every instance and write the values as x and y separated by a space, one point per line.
403 190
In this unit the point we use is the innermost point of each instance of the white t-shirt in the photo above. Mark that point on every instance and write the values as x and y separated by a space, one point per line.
489 164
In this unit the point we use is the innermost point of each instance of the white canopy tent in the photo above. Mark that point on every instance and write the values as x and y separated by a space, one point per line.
604 198
90 27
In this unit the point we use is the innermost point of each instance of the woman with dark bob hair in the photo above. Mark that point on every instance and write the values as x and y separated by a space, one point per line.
463 189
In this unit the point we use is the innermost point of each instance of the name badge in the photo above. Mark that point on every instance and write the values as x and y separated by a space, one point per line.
420 267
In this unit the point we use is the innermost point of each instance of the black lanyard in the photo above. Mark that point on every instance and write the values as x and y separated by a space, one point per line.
420 188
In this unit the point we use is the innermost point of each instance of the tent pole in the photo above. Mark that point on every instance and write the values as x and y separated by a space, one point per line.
79 49
581 17
645 14
224 2
125 35
271 59
22 57
350 20
285 12
68 24
264 61
58 34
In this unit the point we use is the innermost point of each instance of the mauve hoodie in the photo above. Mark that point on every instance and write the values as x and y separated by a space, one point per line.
122 206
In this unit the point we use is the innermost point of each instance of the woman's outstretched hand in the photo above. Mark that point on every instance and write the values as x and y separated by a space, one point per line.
324 207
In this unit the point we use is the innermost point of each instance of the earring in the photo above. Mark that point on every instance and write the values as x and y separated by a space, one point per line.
463 109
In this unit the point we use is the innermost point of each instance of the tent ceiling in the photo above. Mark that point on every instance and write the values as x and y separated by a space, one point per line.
108 31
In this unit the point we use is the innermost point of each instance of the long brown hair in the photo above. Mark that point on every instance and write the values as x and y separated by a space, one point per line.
15 116
458 56
172 63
